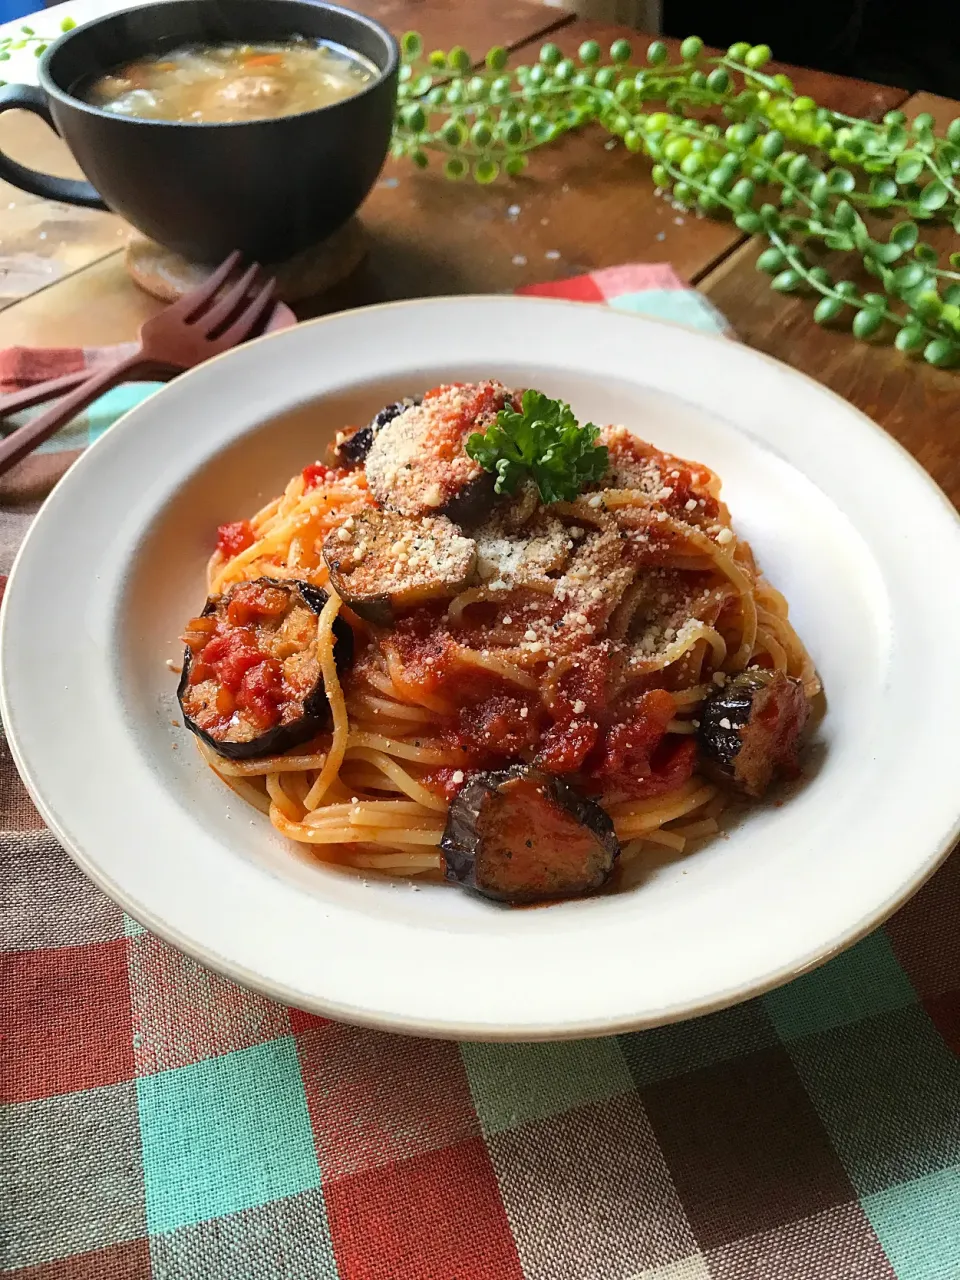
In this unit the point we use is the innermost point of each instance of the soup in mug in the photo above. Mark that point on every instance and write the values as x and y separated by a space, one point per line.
224 83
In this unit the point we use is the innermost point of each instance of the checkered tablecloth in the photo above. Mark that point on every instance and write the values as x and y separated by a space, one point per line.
159 1121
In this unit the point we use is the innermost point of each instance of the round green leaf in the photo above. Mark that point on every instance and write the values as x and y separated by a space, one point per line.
589 53
454 168
454 133
827 309
905 234
621 52
420 159
514 165
787 281
934 195
749 223
414 118
909 167
771 216
941 352
67 24
841 181
883 188
771 261
742 192
758 56
657 53
910 338
885 253
511 133
485 170
821 276
737 52
846 289
718 80
924 252
549 55
867 322
772 145
897 139
928 306
496 58
605 78
481 135
908 277
844 215
691 48
922 122
798 169
951 294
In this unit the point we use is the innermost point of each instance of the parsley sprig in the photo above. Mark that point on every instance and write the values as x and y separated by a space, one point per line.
543 441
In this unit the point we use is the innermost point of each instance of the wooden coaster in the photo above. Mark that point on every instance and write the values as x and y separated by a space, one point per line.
167 276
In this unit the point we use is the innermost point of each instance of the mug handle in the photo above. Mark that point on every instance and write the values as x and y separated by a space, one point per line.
27 97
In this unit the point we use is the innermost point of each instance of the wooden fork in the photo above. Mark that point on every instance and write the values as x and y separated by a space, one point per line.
198 326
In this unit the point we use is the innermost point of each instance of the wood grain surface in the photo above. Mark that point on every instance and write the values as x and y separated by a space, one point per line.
916 403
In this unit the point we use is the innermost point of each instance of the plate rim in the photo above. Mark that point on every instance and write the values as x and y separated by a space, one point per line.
450 1029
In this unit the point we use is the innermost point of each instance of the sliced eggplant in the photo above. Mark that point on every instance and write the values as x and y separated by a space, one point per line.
522 835
384 562
750 729
351 447
532 556
251 683
417 464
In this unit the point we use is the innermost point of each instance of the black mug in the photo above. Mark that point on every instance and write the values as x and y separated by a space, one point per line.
266 187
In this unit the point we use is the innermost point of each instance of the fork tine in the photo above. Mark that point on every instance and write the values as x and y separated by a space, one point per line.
192 302
247 320
208 321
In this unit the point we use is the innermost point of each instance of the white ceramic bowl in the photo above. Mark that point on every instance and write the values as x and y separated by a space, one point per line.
866 549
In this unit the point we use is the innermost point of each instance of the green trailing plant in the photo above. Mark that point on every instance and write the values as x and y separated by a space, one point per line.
727 139
27 38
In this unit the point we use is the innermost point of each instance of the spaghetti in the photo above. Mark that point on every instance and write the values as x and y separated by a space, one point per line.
591 637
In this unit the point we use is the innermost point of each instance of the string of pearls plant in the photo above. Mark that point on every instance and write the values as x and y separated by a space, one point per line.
733 141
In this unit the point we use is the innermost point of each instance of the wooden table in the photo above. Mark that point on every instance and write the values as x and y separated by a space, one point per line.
579 207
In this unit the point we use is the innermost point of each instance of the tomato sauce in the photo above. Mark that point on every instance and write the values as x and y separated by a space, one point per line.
234 538
228 651
577 722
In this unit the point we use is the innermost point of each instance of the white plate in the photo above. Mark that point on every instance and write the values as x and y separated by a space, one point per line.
866 549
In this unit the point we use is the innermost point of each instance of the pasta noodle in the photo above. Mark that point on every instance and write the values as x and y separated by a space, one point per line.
683 612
